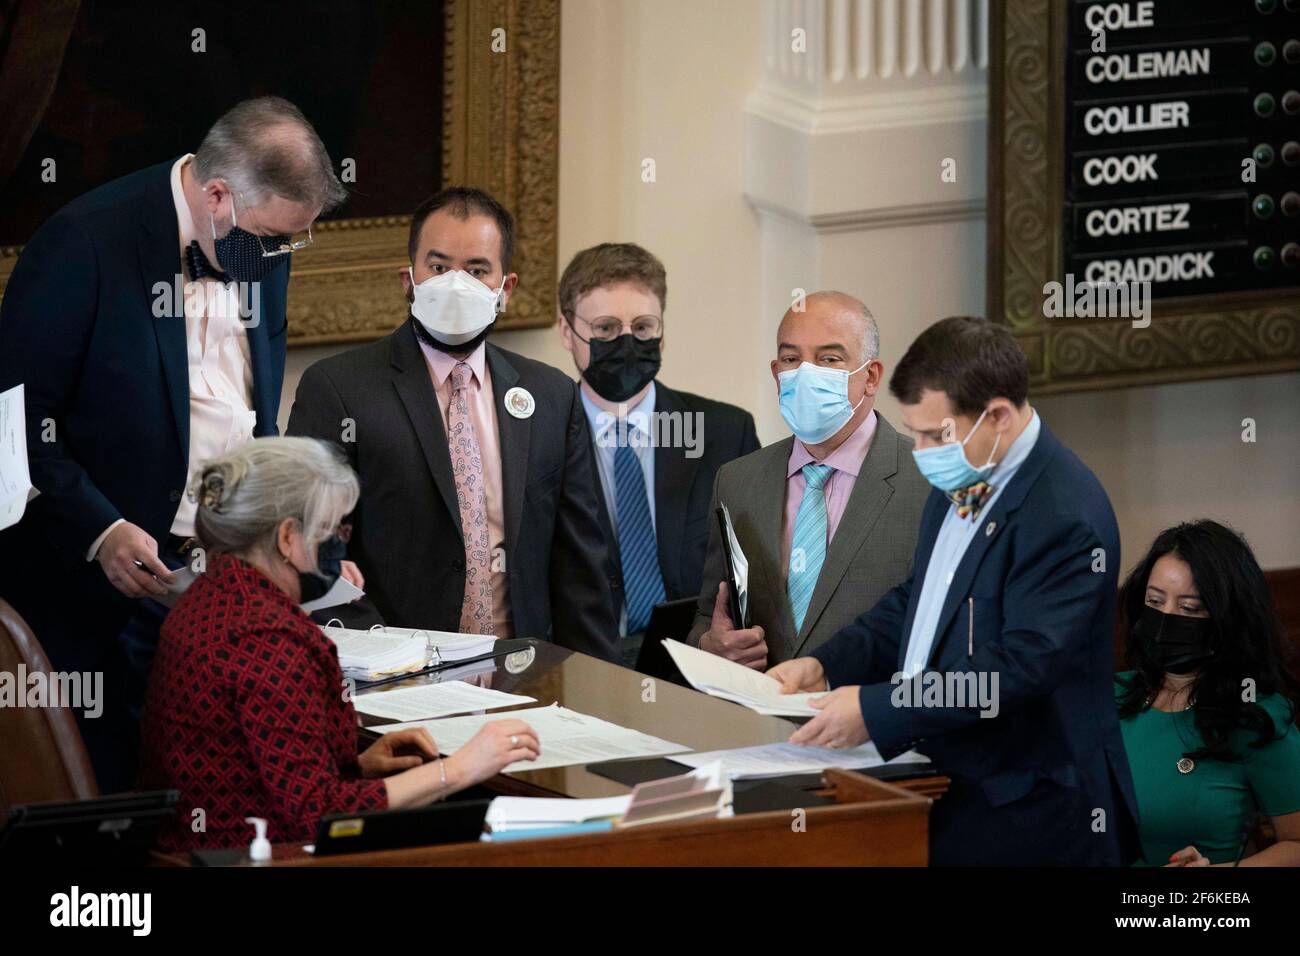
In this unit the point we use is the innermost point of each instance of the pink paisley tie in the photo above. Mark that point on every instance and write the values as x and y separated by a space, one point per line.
467 466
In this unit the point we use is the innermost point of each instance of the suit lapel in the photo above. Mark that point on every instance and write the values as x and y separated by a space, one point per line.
514 435
414 387
871 492
160 260
991 524
674 477
766 575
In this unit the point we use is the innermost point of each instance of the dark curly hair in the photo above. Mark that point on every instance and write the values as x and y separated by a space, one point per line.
1244 637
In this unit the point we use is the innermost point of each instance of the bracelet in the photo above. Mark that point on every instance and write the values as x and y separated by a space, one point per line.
442 770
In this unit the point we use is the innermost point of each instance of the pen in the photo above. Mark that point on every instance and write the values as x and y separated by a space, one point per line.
970 626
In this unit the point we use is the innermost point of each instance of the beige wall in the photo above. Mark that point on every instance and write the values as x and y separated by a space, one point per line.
667 79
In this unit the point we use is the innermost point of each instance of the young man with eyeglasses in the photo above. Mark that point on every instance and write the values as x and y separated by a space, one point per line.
147 321
656 450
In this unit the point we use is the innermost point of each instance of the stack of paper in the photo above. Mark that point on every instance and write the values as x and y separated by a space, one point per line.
719 677
778 760
536 814
449 646
702 794
368 655
435 700
566 737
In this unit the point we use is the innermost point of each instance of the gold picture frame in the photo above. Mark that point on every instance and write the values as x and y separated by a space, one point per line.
500 132
1189 338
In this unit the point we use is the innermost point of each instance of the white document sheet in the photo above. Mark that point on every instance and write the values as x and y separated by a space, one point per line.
435 700
343 592
719 677
566 737
776 760
15 480
523 813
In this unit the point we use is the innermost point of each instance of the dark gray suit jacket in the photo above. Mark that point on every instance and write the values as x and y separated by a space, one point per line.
869 554
406 535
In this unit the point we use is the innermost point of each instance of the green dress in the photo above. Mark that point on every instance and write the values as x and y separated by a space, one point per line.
1210 807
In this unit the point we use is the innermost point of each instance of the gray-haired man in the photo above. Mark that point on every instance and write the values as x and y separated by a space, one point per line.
828 518
147 322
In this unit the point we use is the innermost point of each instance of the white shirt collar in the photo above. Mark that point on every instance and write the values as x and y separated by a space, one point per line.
184 221
601 421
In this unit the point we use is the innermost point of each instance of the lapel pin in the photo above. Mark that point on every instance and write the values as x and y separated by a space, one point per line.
990 528
520 403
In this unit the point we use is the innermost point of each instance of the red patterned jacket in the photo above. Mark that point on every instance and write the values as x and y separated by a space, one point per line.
245 716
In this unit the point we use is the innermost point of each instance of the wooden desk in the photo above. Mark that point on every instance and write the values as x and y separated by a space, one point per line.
624 697
872 823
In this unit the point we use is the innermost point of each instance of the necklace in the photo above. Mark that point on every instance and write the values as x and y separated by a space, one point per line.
1185 765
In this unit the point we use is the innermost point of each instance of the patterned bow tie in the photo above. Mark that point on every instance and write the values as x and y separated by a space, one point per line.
970 500
198 265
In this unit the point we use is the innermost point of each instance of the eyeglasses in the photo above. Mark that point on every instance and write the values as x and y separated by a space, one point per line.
286 246
606 328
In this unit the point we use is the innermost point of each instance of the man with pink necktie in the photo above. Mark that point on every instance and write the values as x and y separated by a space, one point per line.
478 508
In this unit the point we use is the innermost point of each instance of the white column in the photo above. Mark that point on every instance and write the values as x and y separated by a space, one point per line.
846 137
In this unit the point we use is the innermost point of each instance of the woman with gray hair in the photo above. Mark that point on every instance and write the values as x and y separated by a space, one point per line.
246 713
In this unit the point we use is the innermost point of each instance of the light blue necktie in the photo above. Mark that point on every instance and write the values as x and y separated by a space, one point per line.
643 582
808 546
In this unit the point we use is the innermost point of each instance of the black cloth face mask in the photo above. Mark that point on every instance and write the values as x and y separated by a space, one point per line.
1175 643
623 366
329 568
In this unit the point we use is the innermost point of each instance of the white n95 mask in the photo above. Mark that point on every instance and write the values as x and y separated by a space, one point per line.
454 307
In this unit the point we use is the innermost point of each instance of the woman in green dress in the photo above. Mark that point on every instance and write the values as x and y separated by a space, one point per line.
1208 710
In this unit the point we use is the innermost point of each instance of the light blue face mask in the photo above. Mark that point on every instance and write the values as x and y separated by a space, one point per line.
945 466
815 400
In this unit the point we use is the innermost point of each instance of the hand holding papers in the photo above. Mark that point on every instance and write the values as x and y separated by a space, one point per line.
15 480
719 677
566 737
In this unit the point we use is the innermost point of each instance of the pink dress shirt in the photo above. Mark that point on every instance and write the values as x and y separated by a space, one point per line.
847 462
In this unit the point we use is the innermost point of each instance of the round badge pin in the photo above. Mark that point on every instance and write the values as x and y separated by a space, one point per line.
520 403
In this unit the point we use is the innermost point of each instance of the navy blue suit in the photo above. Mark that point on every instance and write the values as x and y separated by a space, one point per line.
78 327
1027 783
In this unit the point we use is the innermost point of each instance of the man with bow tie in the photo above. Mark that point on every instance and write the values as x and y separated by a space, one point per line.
1013 586
147 322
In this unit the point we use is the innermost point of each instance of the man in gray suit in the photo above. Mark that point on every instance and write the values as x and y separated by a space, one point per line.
828 518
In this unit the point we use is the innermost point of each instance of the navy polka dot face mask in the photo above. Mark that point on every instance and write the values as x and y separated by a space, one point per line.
241 254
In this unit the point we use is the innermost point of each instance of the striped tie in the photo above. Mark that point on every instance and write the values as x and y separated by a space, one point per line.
643 583
808 546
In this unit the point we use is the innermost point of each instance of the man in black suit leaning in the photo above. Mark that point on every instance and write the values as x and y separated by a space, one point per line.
147 322
655 450
478 504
